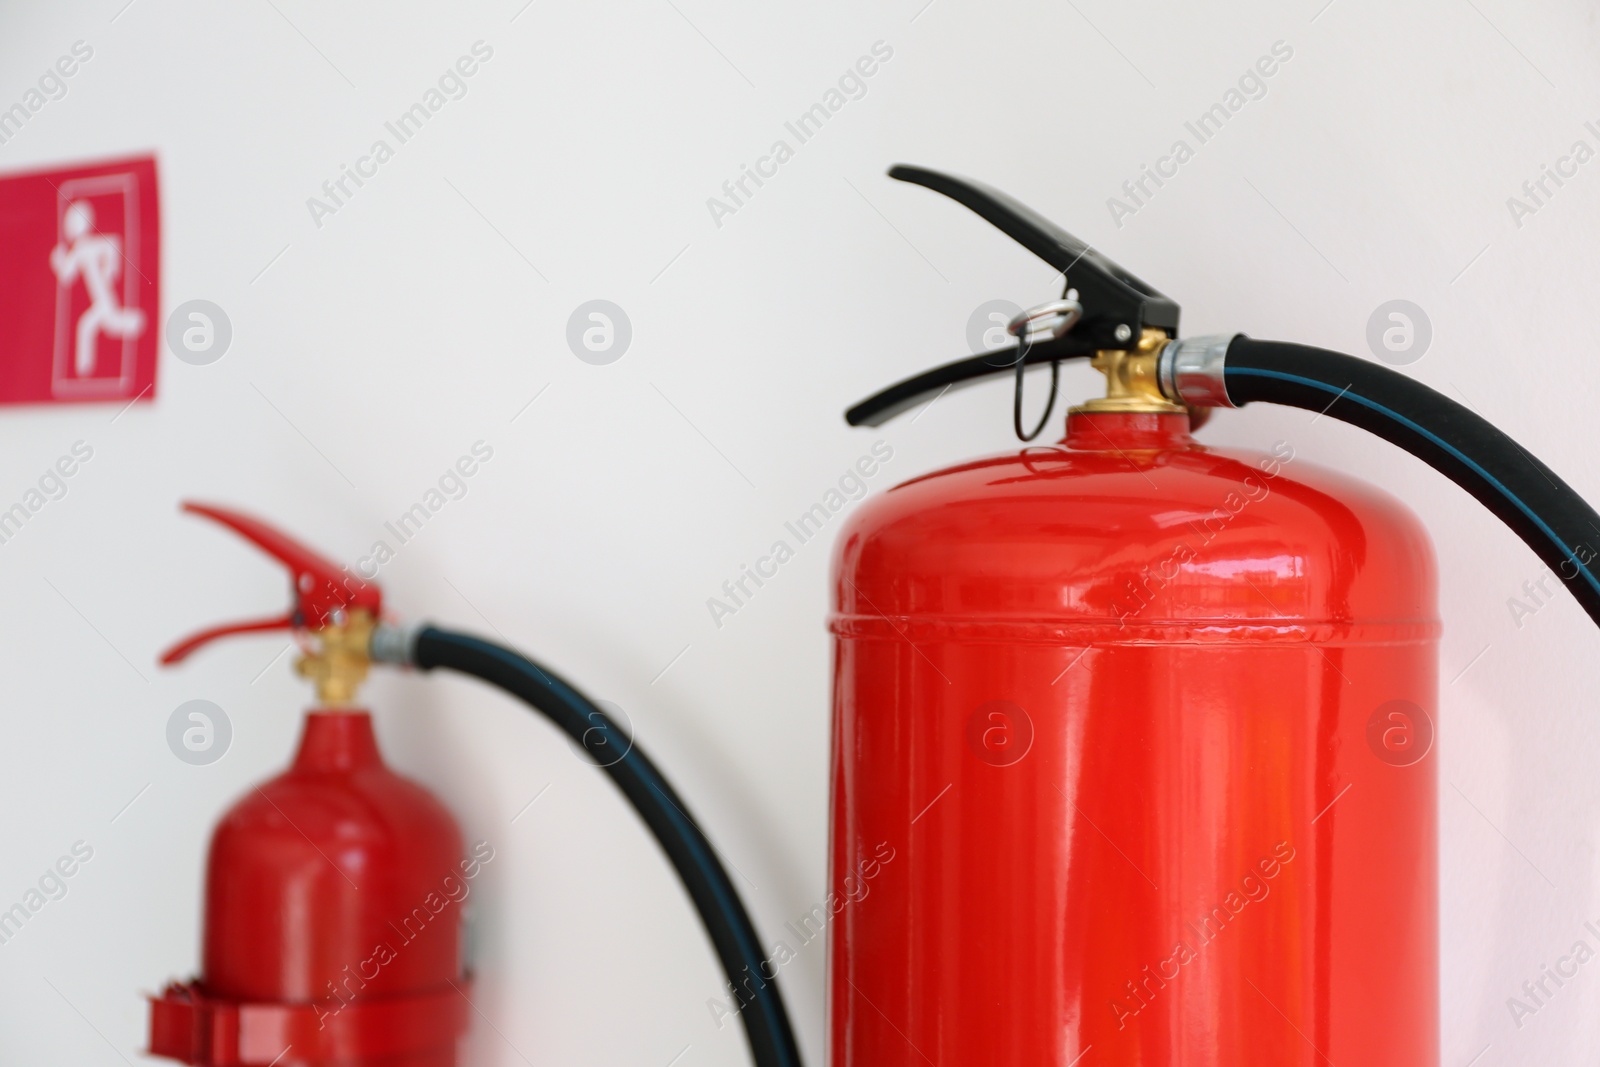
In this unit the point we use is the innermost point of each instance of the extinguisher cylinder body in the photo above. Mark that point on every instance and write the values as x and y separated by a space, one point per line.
333 919
1134 749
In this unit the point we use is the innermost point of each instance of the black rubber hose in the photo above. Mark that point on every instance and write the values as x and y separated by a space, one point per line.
760 1006
1525 494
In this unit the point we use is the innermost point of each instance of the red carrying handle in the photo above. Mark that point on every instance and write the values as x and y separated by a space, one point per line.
321 588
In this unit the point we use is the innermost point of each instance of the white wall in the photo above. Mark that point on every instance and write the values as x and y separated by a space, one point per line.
406 328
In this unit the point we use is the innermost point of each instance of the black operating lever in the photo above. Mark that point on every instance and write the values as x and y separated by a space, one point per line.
1117 306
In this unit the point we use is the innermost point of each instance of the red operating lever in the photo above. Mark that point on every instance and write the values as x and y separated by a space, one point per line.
321 588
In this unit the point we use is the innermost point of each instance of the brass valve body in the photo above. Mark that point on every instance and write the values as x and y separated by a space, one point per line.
340 661
1132 384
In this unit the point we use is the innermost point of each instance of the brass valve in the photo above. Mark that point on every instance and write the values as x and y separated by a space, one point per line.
338 663
1132 384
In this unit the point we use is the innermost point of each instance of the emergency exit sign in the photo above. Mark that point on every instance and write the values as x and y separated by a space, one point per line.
80 283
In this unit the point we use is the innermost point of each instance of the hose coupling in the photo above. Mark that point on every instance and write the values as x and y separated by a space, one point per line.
395 643
1190 371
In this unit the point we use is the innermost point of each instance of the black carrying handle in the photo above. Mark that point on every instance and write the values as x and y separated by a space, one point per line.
901 397
1117 306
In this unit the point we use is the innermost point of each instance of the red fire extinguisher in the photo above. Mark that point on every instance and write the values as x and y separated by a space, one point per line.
1148 727
334 891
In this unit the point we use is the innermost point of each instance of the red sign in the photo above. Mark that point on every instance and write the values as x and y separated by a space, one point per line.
80 283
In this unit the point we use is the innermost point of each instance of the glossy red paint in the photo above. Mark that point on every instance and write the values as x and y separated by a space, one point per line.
1130 719
333 919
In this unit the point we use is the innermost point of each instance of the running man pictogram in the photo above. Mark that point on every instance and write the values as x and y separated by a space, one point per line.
97 258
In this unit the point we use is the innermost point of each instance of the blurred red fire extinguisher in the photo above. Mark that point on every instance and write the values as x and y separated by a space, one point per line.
334 892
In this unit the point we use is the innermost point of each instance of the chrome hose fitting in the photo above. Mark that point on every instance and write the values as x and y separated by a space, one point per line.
1190 371
395 644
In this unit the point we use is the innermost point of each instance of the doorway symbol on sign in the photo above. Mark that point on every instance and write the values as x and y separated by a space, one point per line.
97 259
